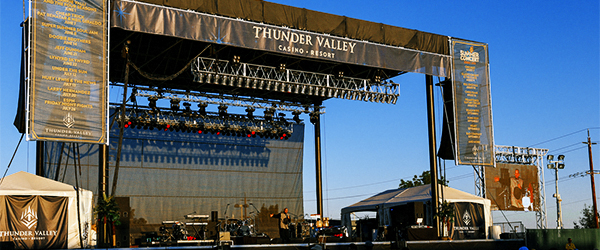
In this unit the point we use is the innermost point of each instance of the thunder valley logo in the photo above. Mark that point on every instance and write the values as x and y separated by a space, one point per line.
29 217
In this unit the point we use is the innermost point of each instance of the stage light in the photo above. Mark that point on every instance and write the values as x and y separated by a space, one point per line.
269 114
250 111
152 102
254 83
231 81
199 78
269 84
275 86
217 78
202 108
248 82
289 88
297 116
296 89
209 78
222 111
188 109
224 80
240 81
132 98
175 104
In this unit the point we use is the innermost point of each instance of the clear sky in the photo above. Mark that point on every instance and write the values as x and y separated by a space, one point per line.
544 66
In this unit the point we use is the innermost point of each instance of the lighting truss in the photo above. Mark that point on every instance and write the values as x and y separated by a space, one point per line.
280 79
530 156
228 100
136 117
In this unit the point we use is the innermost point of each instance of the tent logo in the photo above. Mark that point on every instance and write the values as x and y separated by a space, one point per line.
467 218
29 217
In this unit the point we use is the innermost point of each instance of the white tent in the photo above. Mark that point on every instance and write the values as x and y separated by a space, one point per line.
382 202
78 223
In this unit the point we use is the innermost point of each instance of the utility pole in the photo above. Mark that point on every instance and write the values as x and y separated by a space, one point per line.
589 143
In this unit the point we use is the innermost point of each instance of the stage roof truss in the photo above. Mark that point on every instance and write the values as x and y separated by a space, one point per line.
280 79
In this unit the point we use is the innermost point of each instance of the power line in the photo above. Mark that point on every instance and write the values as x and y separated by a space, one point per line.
563 136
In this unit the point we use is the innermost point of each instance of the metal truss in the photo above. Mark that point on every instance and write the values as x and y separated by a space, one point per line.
528 156
228 100
280 79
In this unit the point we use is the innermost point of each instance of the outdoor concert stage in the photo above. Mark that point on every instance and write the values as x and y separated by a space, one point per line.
382 245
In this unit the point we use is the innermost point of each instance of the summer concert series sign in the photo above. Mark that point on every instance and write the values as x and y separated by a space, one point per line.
68 86
473 109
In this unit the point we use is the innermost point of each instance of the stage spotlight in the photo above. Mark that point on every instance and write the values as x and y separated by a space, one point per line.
289 88
240 81
254 83
187 108
224 80
217 78
222 111
302 89
248 82
275 86
269 114
269 84
175 104
296 89
199 77
152 102
132 98
250 111
209 78
296 118
202 108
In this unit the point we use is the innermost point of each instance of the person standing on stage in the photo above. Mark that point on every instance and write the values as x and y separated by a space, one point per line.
284 220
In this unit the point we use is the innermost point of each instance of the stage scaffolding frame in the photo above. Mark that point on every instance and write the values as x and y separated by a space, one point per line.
281 79
520 155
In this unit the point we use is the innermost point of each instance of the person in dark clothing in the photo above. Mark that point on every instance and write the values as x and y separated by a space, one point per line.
284 221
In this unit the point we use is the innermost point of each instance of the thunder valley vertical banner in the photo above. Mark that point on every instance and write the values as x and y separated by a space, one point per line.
34 222
68 79
473 107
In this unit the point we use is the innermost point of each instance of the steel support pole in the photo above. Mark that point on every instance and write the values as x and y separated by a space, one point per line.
595 205
102 188
432 150
316 120
558 200
39 158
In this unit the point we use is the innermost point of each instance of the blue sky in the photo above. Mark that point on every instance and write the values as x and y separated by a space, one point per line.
544 71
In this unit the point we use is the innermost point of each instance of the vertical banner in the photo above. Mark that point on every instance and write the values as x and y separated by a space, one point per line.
472 104
34 222
68 75
469 222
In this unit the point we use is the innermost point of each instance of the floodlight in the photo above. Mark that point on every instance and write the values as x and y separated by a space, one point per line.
550 157
561 166
561 157
550 166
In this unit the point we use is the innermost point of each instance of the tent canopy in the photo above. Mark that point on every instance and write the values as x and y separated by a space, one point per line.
16 183
397 197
